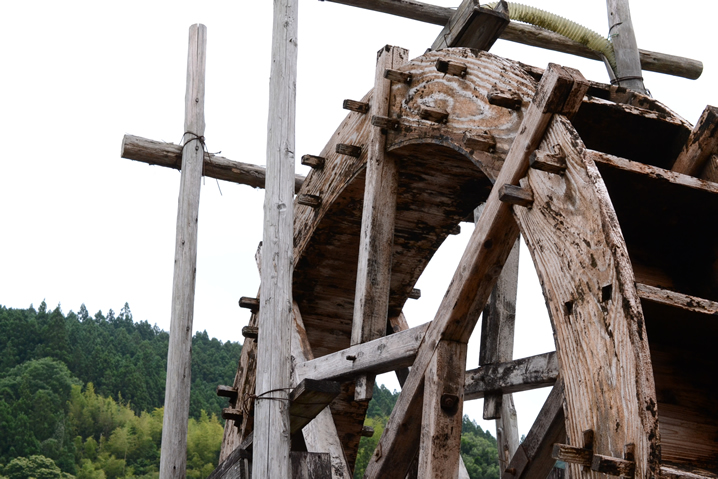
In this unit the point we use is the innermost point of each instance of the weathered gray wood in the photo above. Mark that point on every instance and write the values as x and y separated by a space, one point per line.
533 456
513 376
682 472
442 412
505 98
371 302
357 106
678 300
572 454
531 35
310 465
701 144
173 460
613 466
561 90
271 426
516 195
170 155
399 323
227 391
382 355
237 465
320 435
628 62
308 399
472 26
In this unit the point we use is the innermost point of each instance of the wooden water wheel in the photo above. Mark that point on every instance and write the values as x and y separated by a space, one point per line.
625 250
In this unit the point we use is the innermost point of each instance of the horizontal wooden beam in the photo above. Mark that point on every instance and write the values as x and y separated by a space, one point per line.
382 355
531 35
170 155
678 300
513 376
308 399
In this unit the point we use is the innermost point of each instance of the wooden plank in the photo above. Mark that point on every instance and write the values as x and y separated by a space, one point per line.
398 324
531 35
310 465
620 29
271 427
473 26
440 445
371 302
308 399
170 155
488 248
382 355
533 456
701 144
678 300
512 376
173 460
710 171
683 472
659 174
236 465
613 466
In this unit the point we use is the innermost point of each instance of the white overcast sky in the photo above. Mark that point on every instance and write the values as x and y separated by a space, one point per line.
79 224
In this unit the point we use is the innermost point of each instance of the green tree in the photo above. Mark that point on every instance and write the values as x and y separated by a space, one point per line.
37 467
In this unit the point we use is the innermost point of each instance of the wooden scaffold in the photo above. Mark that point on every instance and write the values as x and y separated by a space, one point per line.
610 190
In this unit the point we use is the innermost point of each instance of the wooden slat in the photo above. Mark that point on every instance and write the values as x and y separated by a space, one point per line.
472 26
678 300
173 460
561 90
701 144
442 412
170 155
682 472
272 423
374 357
513 376
533 456
308 399
531 35
371 302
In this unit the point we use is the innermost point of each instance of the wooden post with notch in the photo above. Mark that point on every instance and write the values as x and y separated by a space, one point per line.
173 460
371 303
628 63
271 416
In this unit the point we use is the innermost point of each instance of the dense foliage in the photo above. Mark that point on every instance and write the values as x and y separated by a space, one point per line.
478 447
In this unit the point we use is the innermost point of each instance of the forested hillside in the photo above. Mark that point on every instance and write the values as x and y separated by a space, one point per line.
82 396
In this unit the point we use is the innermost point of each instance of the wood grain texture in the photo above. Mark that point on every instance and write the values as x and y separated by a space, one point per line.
620 28
580 254
472 26
671 298
701 144
271 428
173 460
170 155
512 376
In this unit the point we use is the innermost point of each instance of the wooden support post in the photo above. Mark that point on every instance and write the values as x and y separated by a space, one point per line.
472 26
271 417
173 460
442 412
320 435
628 63
561 91
371 303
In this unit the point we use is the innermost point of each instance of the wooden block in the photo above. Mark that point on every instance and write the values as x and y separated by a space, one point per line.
308 399
415 293
481 141
551 162
451 67
472 26
233 414
251 304
367 431
397 76
228 392
504 98
613 466
310 465
437 115
385 123
314 162
250 332
357 106
572 454
492 406
349 150
516 195
710 172
456 230
312 201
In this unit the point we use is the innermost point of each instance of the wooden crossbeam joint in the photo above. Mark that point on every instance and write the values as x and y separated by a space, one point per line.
436 115
516 195
385 123
357 106
313 201
480 141
251 304
349 150
504 98
551 162
308 399
397 76
314 162
451 67
250 332
613 466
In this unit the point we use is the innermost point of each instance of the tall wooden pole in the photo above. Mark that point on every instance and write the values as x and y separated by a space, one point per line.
173 460
271 417
628 63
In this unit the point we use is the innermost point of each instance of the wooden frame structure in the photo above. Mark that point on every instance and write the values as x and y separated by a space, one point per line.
589 175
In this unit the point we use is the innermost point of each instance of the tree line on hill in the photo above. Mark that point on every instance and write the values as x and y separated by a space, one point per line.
82 396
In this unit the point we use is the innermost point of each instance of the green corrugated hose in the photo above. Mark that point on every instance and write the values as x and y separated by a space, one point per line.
562 26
